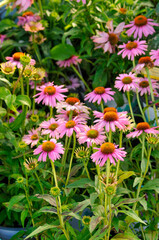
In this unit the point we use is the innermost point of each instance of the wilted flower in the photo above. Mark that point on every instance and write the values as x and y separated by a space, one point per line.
141 25
74 60
8 68
33 27
27 17
38 38
23 4
109 40
38 74
30 164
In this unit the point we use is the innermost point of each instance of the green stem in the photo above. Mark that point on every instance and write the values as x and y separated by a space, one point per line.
58 202
42 190
20 76
66 151
131 111
139 104
80 76
102 106
51 112
110 135
110 213
146 100
41 9
73 149
100 184
86 169
34 97
152 95
146 169
27 80
120 145
29 205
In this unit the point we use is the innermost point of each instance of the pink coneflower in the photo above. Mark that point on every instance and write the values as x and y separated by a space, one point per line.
141 25
72 103
2 37
33 27
126 82
109 40
49 94
142 63
67 127
32 138
51 128
27 17
91 135
99 94
23 4
15 59
50 148
67 62
132 49
107 109
112 119
143 86
108 150
143 127
155 56
74 83
84 1
63 114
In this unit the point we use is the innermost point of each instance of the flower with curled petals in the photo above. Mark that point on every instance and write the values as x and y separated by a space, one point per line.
50 148
50 94
126 82
108 41
141 26
142 63
108 150
99 94
27 17
50 127
132 49
142 127
33 27
91 135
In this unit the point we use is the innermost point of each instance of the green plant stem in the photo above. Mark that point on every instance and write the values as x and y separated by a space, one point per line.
120 145
100 184
131 111
27 80
102 106
66 151
110 218
29 205
70 115
86 169
20 76
40 7
34 97
152 95
70 165
42 190
139 104
110 135
143 177
58 202
146 100
80 76
51 112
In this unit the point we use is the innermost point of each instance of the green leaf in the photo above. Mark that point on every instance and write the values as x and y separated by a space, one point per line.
62 51
23 100
99 234
9 100
3 112
137 180
24 214
82 183
15 200
4 80
125 236
143 164
151 235
94 222
133 215
18 122
4 92
152 185
41 229
143 203
118 96
48 198
125 175
5 24
100 77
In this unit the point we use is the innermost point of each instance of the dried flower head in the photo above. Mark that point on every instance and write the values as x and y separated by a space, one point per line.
82 153
30 164
8 68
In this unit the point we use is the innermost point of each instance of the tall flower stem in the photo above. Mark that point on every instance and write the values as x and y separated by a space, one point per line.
86 169
42 190
41 8
80 76
146 169
139 104
102 106
67 143
20 76
110 218
129 101
58 203
73 149
120 145
146 100
100 184
152 95
33 97
27 80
